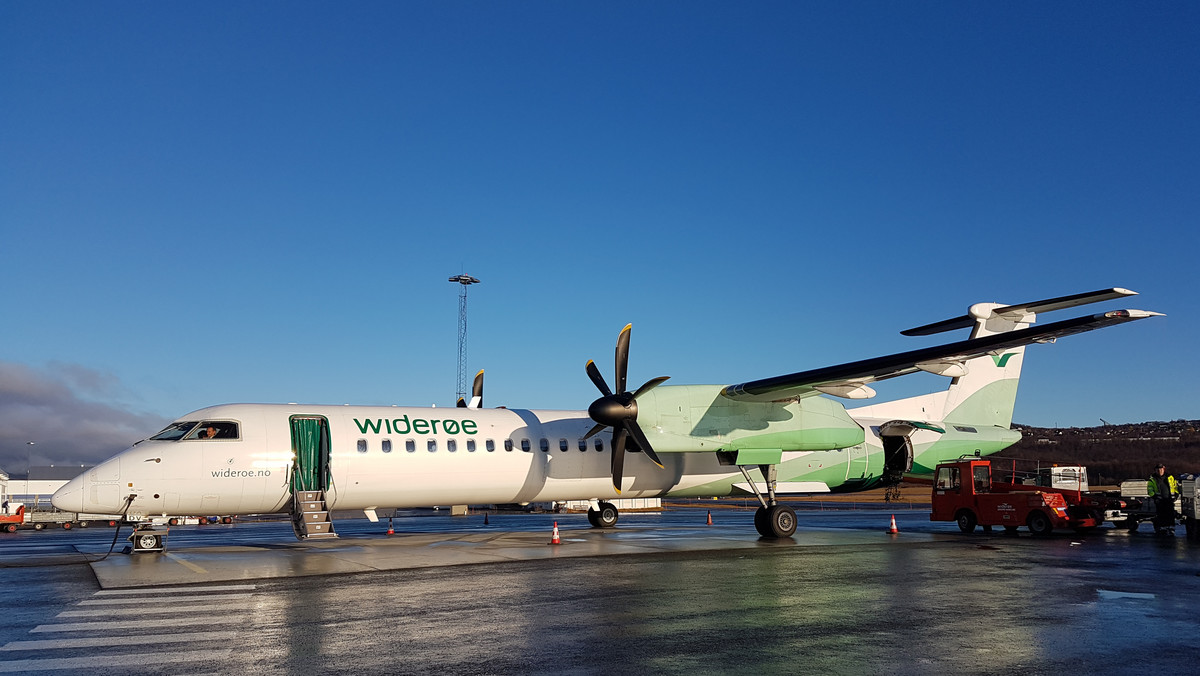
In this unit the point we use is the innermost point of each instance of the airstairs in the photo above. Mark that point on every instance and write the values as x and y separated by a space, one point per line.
310 517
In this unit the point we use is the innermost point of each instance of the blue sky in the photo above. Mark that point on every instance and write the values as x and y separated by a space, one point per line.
207 203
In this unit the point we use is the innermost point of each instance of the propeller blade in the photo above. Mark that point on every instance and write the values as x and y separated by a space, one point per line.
597 379
592 432
639 438
618 456
462 403
623 357
650 385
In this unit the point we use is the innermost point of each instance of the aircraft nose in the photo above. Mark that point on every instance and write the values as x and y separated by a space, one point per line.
69 498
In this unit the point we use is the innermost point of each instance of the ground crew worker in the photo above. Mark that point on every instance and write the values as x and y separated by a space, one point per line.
1163 489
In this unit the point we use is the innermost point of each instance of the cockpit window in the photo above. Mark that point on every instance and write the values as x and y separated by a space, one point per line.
214 429
174 431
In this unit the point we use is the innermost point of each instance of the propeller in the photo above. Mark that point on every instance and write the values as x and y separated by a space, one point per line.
618 410
476 393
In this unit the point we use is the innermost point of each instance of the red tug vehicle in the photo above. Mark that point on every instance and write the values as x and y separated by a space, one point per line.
969 492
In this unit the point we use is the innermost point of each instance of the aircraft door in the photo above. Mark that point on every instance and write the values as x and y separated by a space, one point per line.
897 450
310 452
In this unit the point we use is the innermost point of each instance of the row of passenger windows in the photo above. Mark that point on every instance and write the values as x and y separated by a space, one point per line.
489 445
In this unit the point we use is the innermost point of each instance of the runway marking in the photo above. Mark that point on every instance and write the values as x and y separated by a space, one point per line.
190 566
116 612
136 624
171 590
171 599
102 641
98 661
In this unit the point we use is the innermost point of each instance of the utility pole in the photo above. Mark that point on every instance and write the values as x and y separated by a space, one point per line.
465 281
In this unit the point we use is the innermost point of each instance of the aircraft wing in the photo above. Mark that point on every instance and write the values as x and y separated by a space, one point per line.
849 380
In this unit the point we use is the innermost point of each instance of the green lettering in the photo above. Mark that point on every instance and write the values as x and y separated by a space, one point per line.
469 427
372 425
396 425
451 426
389 425
419 426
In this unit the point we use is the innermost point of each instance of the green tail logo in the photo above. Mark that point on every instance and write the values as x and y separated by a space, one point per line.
1002 359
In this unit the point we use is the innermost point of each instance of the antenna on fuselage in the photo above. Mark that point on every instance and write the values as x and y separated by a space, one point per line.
461 382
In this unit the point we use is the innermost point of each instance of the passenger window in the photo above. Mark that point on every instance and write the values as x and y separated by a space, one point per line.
362 445
432 445
387 445
599 444
544 444
563 445
526 446
451 445
470 445
582 444
410 445
508 444
490 446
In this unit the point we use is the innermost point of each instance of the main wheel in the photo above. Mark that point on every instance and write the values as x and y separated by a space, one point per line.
966 521
606 516
1039 523
760 523
780 521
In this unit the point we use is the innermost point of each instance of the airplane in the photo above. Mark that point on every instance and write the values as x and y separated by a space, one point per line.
656 441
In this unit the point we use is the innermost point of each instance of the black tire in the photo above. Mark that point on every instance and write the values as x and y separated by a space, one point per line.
173 522
67 525
227 519
84 524
780 521
1039 524
1132 525
607 516
760 523
111 523
39 526
10 528
593 517
147 541
966 521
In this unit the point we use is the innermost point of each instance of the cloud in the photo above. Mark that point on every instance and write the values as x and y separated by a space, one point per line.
54 407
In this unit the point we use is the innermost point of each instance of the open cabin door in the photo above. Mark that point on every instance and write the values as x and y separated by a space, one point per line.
310 450
311 477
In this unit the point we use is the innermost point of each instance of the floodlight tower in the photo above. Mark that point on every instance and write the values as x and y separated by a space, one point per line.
465 281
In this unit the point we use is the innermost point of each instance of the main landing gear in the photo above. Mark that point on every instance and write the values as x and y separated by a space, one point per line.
602 515
771 520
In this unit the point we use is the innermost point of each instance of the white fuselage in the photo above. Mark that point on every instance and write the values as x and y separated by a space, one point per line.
390 457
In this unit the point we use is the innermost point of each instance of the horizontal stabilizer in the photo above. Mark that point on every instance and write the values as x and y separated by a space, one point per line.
1016 312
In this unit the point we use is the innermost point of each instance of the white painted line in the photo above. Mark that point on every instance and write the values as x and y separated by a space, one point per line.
187 564
117 612
141 659
172 590
102 641
135 624
165 599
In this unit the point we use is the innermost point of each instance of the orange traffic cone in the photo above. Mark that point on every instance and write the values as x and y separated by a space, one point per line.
893 530
554 538
709 517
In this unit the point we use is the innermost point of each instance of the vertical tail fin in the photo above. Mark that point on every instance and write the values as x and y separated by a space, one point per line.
983 390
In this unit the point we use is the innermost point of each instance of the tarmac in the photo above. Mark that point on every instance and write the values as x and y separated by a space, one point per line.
243 553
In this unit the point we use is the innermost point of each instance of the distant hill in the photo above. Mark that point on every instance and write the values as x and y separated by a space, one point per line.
1113 453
